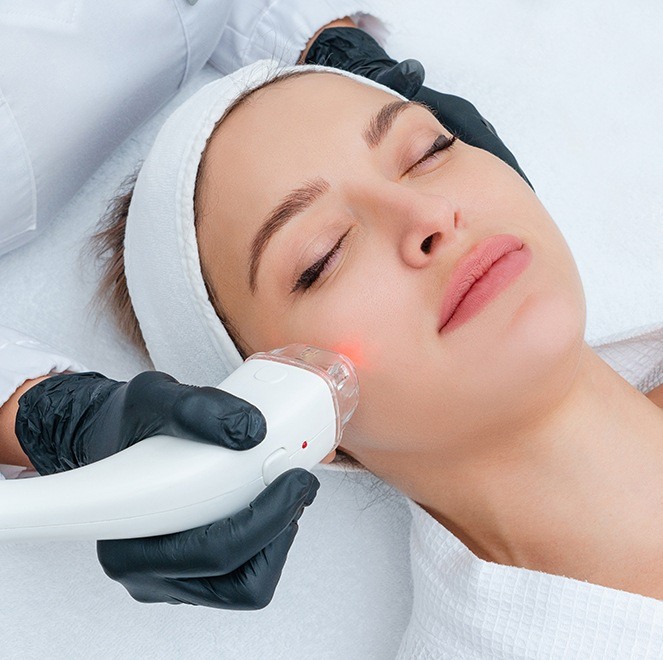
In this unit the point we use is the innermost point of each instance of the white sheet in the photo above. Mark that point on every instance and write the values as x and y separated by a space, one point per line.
574 89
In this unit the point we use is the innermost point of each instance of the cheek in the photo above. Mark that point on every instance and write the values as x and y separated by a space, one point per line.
380 328
368 325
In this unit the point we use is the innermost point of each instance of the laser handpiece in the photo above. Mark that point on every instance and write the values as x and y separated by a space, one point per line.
163 484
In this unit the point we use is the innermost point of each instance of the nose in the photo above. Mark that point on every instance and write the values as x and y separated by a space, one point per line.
422 224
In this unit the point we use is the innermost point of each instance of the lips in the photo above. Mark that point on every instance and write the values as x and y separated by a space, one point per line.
472 267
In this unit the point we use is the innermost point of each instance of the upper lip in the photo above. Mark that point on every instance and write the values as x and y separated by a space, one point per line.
471 267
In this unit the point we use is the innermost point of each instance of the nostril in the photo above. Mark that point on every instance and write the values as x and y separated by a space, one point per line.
428 243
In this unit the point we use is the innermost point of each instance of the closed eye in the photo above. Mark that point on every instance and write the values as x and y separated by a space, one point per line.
311 274
442 143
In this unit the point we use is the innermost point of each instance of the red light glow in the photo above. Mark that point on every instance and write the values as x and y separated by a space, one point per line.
352 350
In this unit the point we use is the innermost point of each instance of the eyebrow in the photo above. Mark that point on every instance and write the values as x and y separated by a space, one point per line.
381 123
300 199
295 202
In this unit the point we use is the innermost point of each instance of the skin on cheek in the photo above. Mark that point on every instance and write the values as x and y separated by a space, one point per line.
352 349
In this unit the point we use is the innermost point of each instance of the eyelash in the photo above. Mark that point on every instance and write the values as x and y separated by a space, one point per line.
442 143
311 274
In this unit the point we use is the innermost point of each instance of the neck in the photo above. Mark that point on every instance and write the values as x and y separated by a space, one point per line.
578 493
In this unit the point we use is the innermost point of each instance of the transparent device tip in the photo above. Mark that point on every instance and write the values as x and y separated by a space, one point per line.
335 368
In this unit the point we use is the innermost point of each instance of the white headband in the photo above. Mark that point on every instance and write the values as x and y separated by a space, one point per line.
182 332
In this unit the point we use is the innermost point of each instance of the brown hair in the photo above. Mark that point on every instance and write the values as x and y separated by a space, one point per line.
108 248
108 243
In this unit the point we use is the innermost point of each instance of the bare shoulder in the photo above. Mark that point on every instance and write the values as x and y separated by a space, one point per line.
656 395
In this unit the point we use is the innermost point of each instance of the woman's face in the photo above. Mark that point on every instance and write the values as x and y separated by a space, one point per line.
398 227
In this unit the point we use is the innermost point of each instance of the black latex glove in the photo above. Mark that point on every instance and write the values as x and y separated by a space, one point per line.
71 420
232 564
354 50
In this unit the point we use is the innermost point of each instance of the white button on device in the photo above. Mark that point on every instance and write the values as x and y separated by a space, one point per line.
274 465
271 374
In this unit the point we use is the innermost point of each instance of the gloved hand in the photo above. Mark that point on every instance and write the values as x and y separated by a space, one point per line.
71 420
352 49
232 564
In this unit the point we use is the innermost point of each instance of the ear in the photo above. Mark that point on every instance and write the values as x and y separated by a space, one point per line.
329 457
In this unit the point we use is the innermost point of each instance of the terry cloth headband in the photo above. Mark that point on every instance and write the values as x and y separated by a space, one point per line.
182 332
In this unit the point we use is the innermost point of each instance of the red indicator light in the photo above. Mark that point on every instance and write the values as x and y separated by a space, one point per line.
304 444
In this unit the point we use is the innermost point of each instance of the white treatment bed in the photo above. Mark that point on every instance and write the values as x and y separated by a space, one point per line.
574 89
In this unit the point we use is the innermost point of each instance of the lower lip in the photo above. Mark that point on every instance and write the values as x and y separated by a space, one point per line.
504 271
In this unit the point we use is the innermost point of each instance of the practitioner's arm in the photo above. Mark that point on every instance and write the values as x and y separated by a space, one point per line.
10 449
280 29
341 22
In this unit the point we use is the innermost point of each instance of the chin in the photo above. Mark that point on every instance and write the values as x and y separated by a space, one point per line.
523 355
542 344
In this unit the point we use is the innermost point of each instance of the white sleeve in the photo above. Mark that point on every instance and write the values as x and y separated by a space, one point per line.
23 358
16 472
76 79
279 29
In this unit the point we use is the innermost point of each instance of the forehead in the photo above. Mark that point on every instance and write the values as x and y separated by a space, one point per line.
282 135
310 94
301 114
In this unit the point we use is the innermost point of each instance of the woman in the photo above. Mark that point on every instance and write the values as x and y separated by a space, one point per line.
496 418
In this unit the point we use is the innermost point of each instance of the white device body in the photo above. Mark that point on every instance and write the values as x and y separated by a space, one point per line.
164 484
